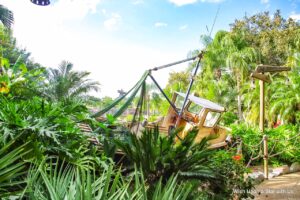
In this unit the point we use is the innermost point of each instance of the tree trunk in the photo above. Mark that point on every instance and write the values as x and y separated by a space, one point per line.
239 98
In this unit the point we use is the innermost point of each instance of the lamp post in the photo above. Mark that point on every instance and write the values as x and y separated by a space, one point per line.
259 74
41 2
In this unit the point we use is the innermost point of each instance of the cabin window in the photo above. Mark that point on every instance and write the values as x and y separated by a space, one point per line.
211 119
195 108
179 101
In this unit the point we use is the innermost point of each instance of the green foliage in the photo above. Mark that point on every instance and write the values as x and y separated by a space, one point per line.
51 127
178 81
271 35
228 118
6 17
233 177
159 157
65 83
38 119
285 98
19 81
251 136
12 168
283 143
57 180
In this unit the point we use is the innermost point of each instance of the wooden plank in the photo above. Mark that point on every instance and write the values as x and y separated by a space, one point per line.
261 77
268 68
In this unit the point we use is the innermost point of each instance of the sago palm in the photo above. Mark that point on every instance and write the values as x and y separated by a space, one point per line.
159 157
54 179
12 167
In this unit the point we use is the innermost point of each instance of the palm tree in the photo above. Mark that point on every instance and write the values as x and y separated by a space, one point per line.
239 59
6 17
285 98
65 83
226 53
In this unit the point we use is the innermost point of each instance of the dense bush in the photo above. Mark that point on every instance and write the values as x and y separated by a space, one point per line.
49 127
283 142
232 169
214 173
228 118
54 179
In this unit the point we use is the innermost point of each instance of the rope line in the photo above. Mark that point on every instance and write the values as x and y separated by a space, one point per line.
258 147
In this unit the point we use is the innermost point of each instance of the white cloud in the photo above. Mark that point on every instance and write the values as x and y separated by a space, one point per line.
103 11
264 1
186 2
295 16
74 10
182 2
114 62
212 1
160 24
137 2
112 23
183 27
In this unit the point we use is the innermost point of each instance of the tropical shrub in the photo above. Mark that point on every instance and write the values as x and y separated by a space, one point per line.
160 158
233 184
12 168
250 137
228 118
283 143
64 83
58 180
50 127
285 99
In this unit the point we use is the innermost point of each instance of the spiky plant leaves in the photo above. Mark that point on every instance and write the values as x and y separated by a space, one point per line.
159 156
55 179
12 168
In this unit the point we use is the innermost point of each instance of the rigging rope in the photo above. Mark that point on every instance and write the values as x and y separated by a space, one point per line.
134 90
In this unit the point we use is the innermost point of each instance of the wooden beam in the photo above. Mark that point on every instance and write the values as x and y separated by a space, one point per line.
262 106
266 155
261 77
267 68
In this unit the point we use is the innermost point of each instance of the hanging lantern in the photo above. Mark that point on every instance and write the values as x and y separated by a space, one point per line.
41 2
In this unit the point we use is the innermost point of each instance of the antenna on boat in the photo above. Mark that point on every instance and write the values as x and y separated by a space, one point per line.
200 56
215 19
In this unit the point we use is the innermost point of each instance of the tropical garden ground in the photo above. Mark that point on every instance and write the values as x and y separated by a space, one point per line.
45 155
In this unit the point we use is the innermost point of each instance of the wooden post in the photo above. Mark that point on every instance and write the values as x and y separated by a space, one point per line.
266 167
259 74
240 147
148 106
262 127
262 106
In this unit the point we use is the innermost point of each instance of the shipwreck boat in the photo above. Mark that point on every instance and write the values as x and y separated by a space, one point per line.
186 111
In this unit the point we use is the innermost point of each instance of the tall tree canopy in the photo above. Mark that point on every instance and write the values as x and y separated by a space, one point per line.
6 16
65 83
232 55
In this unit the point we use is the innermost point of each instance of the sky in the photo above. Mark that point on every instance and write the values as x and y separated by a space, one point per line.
117 40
